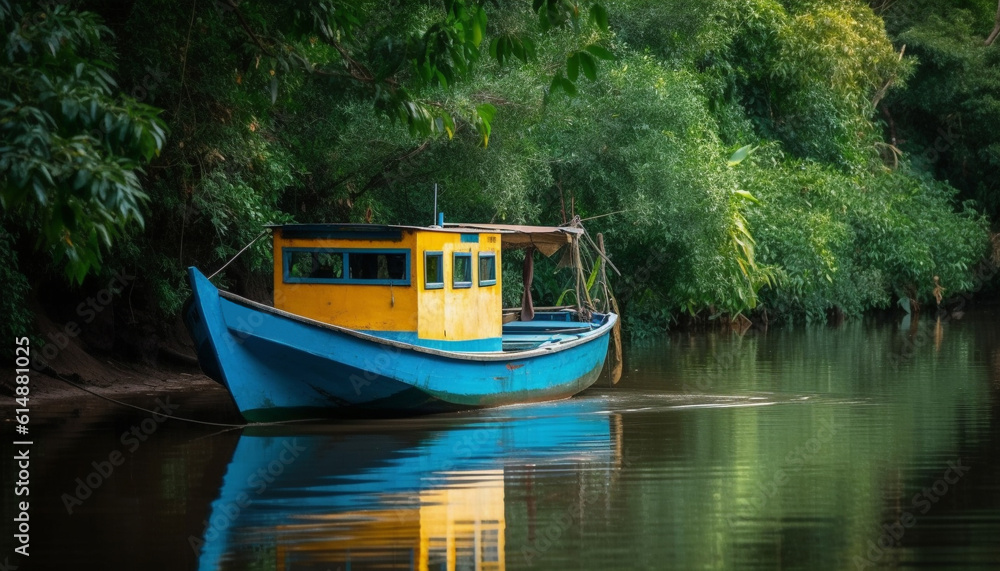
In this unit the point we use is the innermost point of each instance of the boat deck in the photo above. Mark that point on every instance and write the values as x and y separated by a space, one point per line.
548 328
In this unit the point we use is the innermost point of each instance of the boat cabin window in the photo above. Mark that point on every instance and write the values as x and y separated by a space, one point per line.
433 270
328 266
487 269
377 266
315 264
461 270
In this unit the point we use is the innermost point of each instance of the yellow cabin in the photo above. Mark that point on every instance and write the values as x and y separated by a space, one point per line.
433 287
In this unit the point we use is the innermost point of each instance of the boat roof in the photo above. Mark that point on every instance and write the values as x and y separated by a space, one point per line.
333 228
548 239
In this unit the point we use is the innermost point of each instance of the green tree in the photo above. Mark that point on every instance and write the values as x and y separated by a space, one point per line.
71 145
948 118
640 117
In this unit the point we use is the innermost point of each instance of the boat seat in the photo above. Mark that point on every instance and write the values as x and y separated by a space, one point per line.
525 342
537 327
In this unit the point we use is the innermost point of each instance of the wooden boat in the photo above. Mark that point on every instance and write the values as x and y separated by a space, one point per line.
393 319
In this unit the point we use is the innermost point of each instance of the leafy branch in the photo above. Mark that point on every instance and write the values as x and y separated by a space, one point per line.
71 147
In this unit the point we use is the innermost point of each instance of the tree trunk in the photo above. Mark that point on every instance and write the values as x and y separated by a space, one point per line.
996 28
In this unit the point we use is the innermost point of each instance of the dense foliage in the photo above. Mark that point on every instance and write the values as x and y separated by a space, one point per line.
947 119
71 146
736 154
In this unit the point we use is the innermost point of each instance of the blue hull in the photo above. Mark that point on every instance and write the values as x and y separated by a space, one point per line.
278 366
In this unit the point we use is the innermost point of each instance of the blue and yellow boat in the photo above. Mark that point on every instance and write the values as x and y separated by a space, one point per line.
394 319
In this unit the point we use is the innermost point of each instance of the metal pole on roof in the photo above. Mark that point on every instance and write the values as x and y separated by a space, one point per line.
435 204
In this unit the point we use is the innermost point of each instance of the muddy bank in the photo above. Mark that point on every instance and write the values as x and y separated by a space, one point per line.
116 379
170 370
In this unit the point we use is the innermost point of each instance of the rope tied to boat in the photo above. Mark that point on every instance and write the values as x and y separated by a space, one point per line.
245 248
56 375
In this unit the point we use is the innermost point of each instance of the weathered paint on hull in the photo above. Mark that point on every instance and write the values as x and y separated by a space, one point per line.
276 366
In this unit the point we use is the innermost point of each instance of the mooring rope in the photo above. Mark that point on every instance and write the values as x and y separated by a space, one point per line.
191 420
238 253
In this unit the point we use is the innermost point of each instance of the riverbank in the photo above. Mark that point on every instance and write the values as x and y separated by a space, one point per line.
115 379
173 368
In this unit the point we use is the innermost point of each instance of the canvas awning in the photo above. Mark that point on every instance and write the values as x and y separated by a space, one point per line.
546 239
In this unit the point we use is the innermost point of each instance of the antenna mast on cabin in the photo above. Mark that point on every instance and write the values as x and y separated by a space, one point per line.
435 204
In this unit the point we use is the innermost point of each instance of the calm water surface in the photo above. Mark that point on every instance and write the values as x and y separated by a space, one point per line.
870 445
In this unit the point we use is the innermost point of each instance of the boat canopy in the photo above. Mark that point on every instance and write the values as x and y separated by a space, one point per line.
546 239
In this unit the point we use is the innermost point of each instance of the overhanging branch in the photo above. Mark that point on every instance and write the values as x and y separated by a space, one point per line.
246 28
996 28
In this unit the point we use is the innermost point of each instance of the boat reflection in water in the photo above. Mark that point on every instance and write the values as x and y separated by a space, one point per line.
411 494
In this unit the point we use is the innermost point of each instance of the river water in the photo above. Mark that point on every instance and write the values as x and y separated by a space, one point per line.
869 445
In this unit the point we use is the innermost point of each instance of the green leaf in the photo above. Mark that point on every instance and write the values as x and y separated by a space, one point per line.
486 111
599 15
482 119
529 48
518 49
44 170
543 20
573 66
478 27
556 83
481 19
505 48
562 296
449 124
81 179
740 154
600 52
569 87
589 65
593 274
